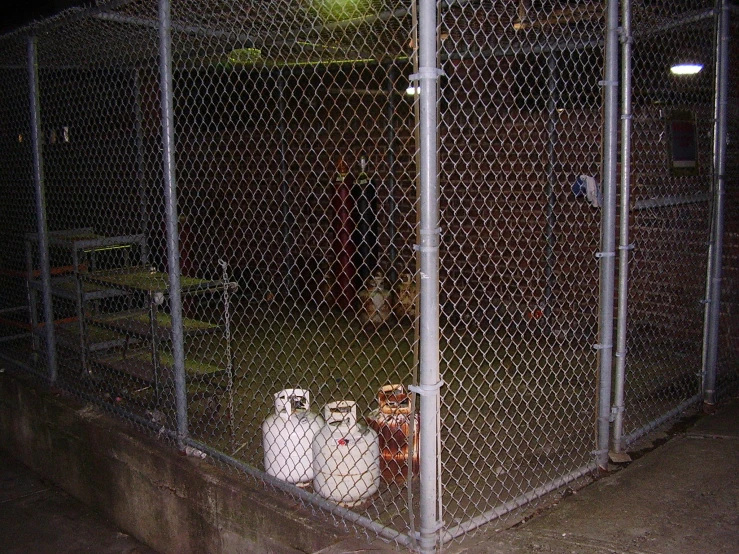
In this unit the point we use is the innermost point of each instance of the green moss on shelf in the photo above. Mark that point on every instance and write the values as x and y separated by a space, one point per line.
165 320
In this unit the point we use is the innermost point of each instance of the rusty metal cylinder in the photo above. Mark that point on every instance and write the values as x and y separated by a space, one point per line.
376 304
392 421
405 307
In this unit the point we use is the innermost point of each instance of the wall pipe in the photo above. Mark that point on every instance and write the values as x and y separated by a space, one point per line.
624 247
429 235
41 223
679 21
715 250
608 232
552 118
170 197
517 48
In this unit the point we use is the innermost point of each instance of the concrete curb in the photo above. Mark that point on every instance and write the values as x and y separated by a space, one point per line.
170 502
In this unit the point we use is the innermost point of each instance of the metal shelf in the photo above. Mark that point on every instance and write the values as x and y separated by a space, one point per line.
66 287
138 364
98 338
138 323
83 245
147 279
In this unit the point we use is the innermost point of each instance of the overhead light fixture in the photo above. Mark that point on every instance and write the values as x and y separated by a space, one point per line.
686 68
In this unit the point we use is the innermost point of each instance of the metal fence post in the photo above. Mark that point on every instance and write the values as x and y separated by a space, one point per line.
170 195
38 178
608 231
624 247
715 251
429 380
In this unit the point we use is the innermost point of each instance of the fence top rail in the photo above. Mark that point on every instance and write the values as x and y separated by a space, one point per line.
124 34
65 17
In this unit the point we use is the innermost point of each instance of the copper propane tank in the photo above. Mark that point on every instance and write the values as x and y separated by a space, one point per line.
405 307
392 422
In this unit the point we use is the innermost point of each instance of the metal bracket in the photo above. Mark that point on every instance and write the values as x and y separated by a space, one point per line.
605 254
608 83
704 301
437 526
623 38
628 246
615 411
426 390
434 233
627 117
429 232
426 73
597 453
602 346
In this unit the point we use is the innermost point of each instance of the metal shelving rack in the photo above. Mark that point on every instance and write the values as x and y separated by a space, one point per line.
82 247
150 326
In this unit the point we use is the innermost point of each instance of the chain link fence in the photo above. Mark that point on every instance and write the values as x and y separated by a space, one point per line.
270 151
18 202
521 123
671 183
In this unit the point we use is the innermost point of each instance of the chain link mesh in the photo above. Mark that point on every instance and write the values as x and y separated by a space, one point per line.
521 121
17 201
295 130
295 181
670 207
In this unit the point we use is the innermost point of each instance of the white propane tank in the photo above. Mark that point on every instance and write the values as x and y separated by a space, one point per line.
288 435
346 456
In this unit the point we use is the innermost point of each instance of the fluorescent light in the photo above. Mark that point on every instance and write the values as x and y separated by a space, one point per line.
411 91
686 69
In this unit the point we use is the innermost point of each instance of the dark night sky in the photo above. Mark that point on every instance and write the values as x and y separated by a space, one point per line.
15 13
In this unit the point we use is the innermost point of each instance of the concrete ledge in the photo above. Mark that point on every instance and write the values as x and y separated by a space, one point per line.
170 502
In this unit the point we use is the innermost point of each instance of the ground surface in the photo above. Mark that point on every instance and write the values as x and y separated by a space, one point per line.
38 518
680 498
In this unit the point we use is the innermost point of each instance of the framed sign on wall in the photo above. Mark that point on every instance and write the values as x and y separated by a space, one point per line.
683 144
